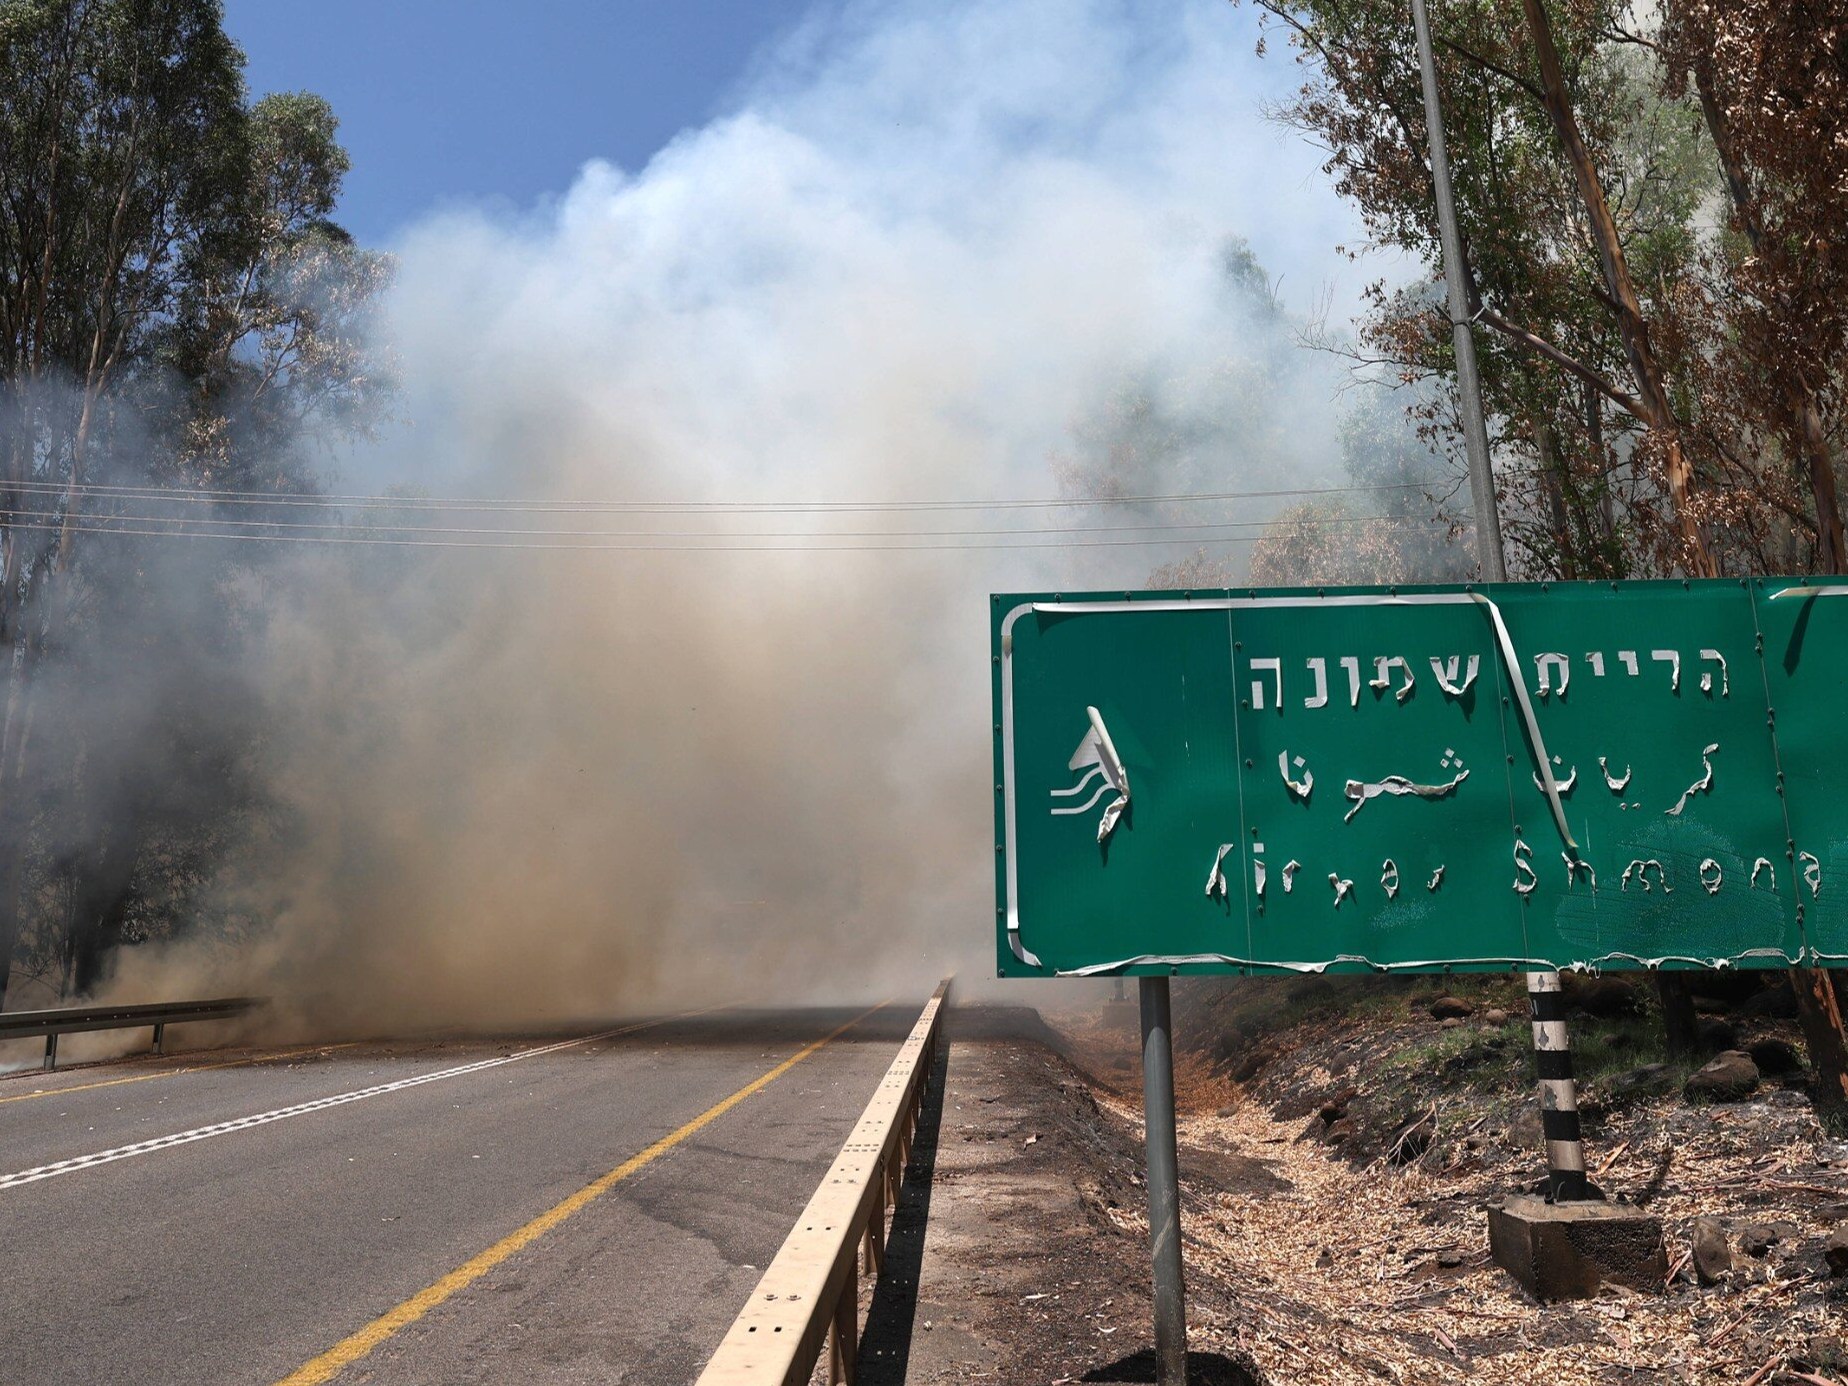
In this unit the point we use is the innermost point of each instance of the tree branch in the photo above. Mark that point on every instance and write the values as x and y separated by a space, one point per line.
1507 74
1376 89
1533 342
1275 9
1616 33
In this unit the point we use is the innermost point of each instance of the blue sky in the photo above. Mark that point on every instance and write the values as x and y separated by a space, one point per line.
446 101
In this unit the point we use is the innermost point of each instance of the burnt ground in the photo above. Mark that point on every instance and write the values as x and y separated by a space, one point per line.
1339 1147
1030 1269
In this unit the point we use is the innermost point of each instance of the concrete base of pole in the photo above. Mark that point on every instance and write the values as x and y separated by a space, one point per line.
1570 1250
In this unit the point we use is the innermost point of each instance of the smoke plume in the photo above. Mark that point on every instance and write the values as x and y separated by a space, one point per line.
919 257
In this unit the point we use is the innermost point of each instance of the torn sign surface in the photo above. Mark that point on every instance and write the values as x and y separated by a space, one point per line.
1097 754
1360 791
1700 786
1216 878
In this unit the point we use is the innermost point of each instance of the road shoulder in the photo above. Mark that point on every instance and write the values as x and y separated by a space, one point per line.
1005 1262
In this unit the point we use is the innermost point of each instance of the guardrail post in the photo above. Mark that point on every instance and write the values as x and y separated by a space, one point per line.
51 1051
844 1332
1164 1182
160 1039
876 1228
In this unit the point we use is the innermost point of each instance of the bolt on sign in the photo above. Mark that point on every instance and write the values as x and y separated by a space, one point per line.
1608 775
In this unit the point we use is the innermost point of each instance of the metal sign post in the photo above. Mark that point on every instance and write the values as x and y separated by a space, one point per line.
1164 1182
1495 778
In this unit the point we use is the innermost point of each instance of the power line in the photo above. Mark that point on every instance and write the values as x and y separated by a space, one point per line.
100 490
89 525
1191 525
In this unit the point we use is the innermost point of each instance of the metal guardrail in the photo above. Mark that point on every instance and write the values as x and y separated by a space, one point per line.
70 1020
809 1296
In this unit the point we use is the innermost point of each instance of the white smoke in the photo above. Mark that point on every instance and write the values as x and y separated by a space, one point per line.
929 238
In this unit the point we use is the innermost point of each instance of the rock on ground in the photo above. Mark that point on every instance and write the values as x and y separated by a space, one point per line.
1728 1078
1757 1240
1712 1254
1835 1251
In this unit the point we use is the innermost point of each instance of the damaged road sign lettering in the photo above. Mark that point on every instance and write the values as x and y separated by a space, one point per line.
1510 776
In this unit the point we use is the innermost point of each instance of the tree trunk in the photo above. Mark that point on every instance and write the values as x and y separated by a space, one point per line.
98 924
1678 1018
12 675
1632 326
1820 1014
1815 994
1808 438
1813 445
13 812
1818 1008
15 799
12 850
102 890
1696 556
1594 434
1553 483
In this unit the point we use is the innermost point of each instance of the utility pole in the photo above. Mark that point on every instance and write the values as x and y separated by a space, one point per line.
1469 386
1565 1148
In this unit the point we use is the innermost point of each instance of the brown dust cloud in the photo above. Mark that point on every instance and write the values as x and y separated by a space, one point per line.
923 257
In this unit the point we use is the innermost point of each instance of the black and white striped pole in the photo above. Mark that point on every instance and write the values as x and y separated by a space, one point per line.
1565 1152
1559 1118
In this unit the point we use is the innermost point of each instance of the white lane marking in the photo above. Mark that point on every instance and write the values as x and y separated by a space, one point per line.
245 1123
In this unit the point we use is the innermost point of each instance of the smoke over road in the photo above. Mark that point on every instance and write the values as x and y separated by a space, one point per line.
925 245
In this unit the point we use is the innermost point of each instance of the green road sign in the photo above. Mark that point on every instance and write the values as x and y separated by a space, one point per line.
1612 775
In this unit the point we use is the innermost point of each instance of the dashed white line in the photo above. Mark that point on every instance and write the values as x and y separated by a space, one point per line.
319 1104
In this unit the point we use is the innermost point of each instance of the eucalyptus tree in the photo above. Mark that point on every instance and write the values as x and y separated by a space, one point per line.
177 311
1666 389
1572 248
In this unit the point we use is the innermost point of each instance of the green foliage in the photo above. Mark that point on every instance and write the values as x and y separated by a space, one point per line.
1698 430
122 149
179 312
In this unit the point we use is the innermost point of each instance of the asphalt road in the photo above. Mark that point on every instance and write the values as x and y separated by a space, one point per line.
467 1217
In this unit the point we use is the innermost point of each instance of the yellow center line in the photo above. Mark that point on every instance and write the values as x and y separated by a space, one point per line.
175 1072
351 1349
